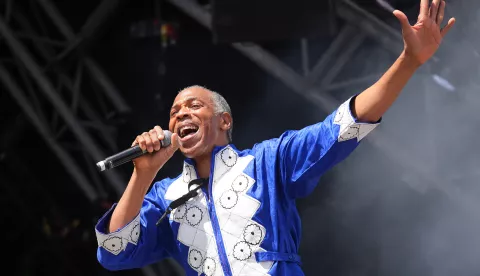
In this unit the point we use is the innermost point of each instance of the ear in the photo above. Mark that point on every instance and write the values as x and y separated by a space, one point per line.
226 121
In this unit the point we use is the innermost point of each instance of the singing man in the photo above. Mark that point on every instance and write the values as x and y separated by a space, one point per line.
244 220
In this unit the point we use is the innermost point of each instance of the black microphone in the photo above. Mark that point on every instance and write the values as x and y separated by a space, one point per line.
130 154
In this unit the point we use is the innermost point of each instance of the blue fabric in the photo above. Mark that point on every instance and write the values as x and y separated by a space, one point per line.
284 169
155 242
277 256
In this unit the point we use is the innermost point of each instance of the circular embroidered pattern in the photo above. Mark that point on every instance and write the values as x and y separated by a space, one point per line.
339 115
194 215
180 212
229 157
351 133
195 258
113 244
242 251
135 233
252 234
240 183
228 199
187 175
209 266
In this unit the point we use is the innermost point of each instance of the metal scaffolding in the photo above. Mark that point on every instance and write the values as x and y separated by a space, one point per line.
56 98
317 82
36 61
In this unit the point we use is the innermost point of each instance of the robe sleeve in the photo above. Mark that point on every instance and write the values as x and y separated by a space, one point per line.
138 243
305 155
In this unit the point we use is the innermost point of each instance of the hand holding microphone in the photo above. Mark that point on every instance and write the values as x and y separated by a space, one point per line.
149 152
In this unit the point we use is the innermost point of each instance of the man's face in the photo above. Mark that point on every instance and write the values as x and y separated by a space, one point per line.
193 118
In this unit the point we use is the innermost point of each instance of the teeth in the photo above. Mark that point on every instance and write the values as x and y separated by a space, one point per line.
183 129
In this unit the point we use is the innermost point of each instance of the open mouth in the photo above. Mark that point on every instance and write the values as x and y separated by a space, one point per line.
187 130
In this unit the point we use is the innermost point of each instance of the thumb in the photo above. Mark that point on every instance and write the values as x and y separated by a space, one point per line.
174 144
403 21
166 153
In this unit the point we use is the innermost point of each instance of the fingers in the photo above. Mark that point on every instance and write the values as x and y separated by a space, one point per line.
159 132
447 28
441 13
406 27
140 141
148 141
424 7
434 10
155 139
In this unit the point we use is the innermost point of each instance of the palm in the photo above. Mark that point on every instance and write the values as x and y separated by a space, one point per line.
423 39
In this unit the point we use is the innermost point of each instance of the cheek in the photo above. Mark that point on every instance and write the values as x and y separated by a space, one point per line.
171 125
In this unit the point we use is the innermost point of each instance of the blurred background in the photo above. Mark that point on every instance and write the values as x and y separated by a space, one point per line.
80 79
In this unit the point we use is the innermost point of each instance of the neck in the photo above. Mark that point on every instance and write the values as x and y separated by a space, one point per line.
204 162
203 165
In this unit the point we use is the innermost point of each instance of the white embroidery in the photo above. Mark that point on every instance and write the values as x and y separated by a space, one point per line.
240 183
242 251
209 266
349 129
180 186
235 210
195 230
225 160
251 267
229 199
241 236
253 234
195 258
115 242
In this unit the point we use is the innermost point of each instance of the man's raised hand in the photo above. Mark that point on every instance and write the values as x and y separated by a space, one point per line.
423 39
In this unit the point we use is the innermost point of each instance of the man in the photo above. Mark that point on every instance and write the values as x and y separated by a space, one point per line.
244 220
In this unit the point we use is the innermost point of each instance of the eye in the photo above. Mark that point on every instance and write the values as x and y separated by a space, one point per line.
172 113
196 106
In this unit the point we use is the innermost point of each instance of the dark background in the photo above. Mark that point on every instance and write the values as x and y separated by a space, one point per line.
368 216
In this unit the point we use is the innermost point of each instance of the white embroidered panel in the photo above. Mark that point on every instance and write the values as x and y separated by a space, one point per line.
349 129
234 208
115 242
195 229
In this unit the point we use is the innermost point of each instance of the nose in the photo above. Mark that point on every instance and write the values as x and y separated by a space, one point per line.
183 113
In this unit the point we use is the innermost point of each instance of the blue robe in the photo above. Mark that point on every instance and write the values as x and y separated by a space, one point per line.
248 224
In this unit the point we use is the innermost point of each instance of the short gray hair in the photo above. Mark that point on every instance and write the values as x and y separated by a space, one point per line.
220 105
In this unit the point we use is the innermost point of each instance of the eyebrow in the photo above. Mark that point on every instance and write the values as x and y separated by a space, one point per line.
191 98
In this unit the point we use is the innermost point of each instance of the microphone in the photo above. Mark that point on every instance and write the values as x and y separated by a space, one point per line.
130 154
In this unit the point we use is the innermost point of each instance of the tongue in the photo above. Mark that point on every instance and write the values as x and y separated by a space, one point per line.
189 132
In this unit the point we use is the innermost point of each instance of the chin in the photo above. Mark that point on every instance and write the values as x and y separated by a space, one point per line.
199 149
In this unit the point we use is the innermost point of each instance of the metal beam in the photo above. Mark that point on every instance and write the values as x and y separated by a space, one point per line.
387 36
342 59
264 59
46 87
305 56
95 71
58 20
333 50
361 80
47 53
70 165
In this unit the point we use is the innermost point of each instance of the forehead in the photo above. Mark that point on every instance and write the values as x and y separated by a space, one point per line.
193 93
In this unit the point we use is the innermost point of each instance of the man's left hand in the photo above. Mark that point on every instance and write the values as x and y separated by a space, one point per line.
423 39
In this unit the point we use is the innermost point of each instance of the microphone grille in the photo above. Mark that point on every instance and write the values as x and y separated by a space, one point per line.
167 139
